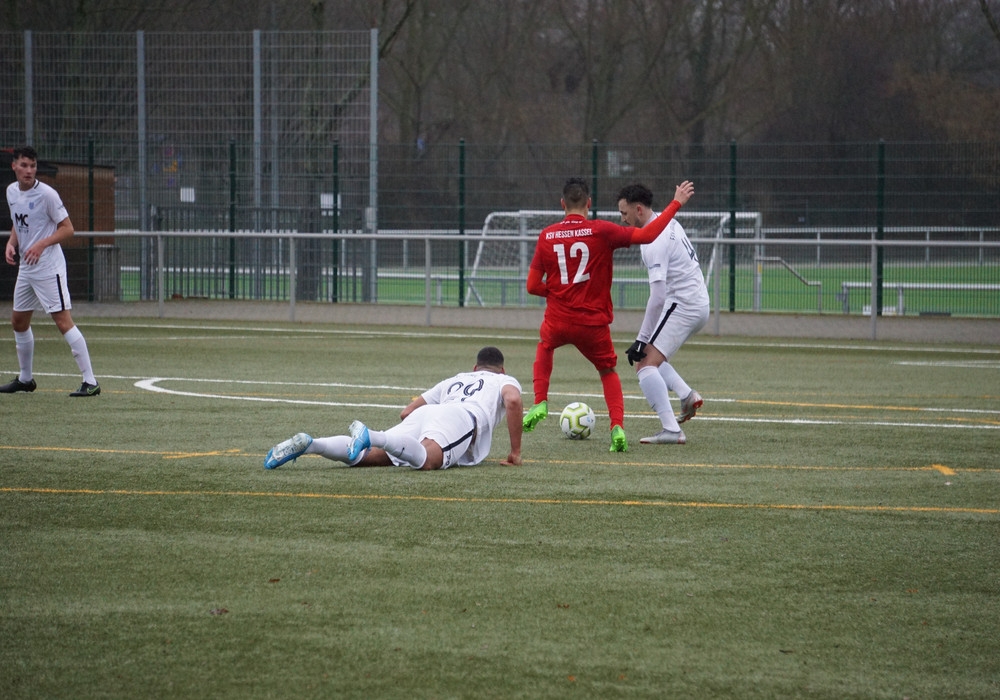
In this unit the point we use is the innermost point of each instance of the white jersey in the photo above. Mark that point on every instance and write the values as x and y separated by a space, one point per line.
36 215
479 393
672 259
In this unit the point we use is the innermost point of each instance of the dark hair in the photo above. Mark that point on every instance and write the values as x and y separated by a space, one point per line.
490 357
575 192
25 152
636 193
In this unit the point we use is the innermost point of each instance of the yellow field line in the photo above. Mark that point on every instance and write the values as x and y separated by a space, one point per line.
95 450
529 501
236 452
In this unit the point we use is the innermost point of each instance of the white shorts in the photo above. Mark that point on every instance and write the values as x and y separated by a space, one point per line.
48 292
676 325
449 425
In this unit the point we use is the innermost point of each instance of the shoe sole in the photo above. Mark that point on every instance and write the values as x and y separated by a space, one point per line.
690 412
650 441
353 452
531 422
21 389
286 459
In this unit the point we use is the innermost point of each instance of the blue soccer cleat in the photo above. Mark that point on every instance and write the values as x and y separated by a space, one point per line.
286 451
360 440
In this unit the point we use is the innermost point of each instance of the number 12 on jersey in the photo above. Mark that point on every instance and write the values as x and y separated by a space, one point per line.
577 250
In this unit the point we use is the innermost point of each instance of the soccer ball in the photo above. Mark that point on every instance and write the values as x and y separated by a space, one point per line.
577 420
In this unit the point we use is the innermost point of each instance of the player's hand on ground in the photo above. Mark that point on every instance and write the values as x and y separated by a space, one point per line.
684 192
513 460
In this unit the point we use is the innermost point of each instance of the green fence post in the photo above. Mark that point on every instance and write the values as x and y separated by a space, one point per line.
461 222
336 221
732 225
232 218
593 178
90 218
880 226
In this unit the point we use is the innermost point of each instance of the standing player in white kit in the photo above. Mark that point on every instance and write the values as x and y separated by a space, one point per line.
450 424
678 307
40 225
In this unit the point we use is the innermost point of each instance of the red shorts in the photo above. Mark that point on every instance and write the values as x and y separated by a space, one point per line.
594 342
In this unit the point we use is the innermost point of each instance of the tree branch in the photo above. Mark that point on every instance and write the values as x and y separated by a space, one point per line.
990 19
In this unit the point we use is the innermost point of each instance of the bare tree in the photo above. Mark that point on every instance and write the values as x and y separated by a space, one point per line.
990 19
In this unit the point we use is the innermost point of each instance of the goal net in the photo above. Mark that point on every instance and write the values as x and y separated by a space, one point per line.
505 246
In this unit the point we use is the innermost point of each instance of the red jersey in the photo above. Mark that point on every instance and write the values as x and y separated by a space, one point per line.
576 257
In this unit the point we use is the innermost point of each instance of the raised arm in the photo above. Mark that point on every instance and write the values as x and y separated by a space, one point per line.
649 232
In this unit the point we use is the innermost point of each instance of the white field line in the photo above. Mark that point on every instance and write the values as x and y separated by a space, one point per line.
152 384
378 332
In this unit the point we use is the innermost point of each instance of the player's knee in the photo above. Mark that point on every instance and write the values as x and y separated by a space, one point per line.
435 455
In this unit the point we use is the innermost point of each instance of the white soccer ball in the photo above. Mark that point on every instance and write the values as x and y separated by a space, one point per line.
577 420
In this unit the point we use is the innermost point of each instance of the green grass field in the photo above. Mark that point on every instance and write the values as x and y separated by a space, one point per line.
831 529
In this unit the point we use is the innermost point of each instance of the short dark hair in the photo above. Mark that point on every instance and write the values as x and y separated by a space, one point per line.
490 357
25 152
636 193
575 192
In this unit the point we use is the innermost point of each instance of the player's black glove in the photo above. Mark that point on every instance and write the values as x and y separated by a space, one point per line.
636 351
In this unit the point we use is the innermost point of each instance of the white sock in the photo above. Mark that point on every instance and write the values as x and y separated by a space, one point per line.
402 447
78 346
655 391
674 381
331 447
25 343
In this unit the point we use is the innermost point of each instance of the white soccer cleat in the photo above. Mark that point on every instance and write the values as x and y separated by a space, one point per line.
690 406
665 437
360 440
286 451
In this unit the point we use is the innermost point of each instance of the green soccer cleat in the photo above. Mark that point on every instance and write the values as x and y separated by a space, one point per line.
619 443
87 390
536 414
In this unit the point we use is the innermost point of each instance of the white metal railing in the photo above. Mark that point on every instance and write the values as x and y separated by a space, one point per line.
759 250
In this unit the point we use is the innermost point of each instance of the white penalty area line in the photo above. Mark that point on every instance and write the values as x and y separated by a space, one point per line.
152 385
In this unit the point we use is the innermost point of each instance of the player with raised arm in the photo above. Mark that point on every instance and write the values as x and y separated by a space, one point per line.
451 423
678 307
40 225
572 269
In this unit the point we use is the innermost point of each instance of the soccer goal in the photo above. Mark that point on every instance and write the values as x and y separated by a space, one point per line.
506 244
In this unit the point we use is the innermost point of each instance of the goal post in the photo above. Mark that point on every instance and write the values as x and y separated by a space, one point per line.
506 244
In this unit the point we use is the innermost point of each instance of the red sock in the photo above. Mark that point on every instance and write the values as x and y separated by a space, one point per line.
543 373
612 384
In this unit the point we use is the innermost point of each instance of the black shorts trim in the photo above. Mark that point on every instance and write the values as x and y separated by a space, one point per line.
662 323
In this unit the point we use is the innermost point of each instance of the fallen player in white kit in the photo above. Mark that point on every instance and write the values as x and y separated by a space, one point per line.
451 423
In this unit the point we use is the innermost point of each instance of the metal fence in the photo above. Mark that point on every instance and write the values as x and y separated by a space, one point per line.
433 268
235 129
175 113
270 136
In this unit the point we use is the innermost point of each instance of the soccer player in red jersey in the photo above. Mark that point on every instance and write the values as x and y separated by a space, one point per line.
572 268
